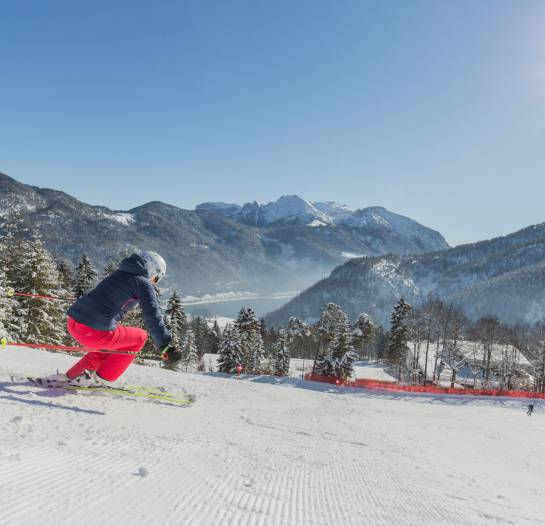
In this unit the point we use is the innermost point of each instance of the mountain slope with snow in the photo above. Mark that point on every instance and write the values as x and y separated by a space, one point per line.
503 276
216 249
262 451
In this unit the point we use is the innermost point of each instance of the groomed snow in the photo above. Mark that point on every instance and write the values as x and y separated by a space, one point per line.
262 451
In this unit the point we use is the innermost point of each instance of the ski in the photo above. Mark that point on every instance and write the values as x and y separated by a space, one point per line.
150 393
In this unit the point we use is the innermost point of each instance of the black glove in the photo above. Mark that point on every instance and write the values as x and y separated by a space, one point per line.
171 356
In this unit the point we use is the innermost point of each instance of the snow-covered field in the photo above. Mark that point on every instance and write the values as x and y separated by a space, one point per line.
262 451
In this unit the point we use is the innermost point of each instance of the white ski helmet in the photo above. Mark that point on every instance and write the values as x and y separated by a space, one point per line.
154 263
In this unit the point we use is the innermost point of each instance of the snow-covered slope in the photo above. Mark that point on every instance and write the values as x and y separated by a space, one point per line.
334 210
291 208
380 226
216 249
262 451
503 276
377 218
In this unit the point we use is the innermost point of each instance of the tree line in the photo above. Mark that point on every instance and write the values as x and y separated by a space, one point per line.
433 342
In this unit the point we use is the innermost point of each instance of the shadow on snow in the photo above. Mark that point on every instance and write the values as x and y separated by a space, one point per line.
8 392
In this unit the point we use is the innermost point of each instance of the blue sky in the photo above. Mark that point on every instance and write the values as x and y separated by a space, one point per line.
433 109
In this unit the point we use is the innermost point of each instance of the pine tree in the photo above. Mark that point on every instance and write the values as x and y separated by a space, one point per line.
44 319
252 348
110 268
66 287
333 322
202 335
281 355
16 273
6 305
190 356
297 331
398 344
341 354
65 275
175 319
363 334
230 352
85 276
216 337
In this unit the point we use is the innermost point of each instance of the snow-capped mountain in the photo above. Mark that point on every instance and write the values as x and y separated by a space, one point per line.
384 231
219 247
503 276
334 210
289 209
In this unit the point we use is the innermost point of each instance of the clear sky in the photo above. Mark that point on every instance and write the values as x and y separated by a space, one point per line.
434 109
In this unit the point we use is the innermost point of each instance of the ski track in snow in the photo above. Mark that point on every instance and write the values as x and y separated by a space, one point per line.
262 452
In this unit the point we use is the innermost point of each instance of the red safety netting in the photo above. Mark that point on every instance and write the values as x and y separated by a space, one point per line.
433 389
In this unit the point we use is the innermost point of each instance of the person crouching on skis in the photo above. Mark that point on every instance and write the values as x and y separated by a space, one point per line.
93 321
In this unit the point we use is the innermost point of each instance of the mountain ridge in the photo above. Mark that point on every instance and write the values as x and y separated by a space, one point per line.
208 251
504 276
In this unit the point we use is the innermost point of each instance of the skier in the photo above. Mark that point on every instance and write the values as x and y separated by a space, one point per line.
93 321
530 409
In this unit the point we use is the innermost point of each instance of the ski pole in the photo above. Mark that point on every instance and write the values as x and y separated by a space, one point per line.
4 343
10 293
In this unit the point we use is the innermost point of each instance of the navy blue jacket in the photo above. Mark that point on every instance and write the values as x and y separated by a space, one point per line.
113 297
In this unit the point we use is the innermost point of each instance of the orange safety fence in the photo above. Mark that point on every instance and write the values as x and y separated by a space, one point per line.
433 389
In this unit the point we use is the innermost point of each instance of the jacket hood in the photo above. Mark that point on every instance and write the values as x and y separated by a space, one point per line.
134 264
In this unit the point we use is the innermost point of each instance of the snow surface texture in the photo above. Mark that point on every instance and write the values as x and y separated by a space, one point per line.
262 451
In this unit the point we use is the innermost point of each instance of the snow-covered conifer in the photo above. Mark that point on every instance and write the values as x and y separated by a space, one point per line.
341 354
175 319
85 276
296 332
252 348
44 319
6 305
230 351
110 268
398 344
332 322
65 276
190 356
363 334
281 354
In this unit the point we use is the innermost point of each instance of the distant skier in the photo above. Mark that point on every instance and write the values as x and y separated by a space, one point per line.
530 409
93 321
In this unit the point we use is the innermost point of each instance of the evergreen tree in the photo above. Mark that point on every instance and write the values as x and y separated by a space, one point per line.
341 354
66 287
281 355
85 277
381 343
398 344
110 268
297 331
66 277
199 326
230 351
252 348
175 319
331 319
363 334
188 349
6 305
332 324
44 319
16 273
216 338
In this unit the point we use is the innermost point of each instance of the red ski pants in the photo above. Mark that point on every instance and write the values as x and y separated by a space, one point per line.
108 366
